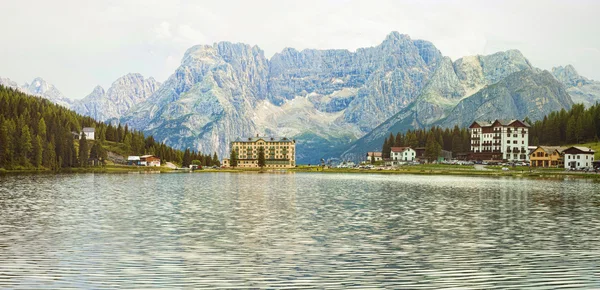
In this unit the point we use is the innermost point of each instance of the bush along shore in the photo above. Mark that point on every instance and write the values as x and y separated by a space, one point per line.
426 169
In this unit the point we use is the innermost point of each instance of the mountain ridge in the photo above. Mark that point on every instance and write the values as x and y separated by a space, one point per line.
327 99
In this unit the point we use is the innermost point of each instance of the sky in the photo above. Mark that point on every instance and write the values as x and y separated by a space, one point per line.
78 44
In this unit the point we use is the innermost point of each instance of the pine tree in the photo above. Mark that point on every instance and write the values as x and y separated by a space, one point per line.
261 157
233 159
83 151
5 146
25 146
38 150
42 128
49 156
456 145
215 160
432 149
187 158
570 134
579 133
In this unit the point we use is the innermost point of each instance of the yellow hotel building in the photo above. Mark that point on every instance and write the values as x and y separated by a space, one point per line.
279 152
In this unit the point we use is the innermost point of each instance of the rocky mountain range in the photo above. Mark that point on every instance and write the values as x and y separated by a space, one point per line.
39 87
123 94
333 102
582 90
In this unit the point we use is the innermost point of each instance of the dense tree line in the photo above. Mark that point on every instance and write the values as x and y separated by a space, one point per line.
196 158
577 125
35 133
433 140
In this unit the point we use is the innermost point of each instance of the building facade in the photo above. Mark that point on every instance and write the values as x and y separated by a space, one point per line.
403 154
90 133
578 157
376 156
149 160
279 152
499 140
547 156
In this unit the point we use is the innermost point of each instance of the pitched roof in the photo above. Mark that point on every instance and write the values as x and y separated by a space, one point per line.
551 149
133 158
582 150
502 122
399 149
148 156
377 154
268 139
585 149
89 129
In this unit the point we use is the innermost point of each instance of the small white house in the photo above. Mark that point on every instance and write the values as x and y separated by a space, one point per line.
403 154
89 133
149 160
374 155
578 157
133 160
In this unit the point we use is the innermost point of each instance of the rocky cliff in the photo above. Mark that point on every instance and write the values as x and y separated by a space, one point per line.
581 89
123 94
39 87
333 102
527 92
323 98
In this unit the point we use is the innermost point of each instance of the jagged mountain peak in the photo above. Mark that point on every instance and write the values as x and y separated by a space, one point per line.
98 90
569 76
581 89
395 35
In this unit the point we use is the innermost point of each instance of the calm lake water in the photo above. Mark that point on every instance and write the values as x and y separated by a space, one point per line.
297 230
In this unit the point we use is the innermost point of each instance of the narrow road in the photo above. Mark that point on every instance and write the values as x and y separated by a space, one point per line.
170 165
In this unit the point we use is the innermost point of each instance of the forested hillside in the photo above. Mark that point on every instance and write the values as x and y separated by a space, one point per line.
577 125
434 140
37 134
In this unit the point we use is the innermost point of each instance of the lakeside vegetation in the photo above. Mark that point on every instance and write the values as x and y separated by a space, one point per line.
576 127
37 135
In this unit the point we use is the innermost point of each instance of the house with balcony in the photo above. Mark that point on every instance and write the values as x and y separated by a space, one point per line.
499 140
578 157
547 156
279 152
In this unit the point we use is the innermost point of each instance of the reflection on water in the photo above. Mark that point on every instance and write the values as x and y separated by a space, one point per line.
297 230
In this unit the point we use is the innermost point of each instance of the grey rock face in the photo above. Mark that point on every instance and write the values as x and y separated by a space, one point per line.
123 94
453 86
227 90
39 87
209 99
582 90
528 93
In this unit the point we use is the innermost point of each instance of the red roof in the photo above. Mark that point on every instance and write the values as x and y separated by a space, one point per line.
399 149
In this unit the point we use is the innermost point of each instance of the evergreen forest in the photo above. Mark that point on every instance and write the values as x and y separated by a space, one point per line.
36 134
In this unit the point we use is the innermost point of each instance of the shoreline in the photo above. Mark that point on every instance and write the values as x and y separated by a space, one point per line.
413 170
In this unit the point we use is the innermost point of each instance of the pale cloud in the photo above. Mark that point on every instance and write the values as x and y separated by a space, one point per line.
188 35
77 44
163 30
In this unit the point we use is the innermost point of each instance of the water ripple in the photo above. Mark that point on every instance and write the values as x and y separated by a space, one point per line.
345 231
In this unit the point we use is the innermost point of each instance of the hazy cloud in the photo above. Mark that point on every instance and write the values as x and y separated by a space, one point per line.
77 44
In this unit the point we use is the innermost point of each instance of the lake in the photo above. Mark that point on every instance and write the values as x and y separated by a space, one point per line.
250 230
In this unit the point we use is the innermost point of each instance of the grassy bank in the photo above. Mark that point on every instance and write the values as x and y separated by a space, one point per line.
99 169
425 169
